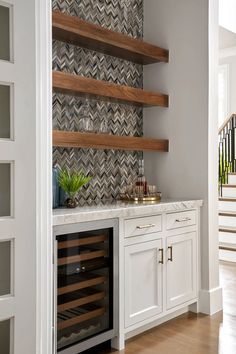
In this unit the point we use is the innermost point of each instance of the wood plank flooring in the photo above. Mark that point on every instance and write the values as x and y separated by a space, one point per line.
190 333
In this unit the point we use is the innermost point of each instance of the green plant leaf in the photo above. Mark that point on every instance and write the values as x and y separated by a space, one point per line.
72 182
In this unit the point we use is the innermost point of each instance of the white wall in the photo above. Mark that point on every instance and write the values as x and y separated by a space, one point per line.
227 13
184 171
231 63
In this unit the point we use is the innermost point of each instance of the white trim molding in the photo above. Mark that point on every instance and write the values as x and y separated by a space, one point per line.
210 301
227 52
44 334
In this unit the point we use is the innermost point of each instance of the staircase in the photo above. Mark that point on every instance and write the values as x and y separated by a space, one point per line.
227 190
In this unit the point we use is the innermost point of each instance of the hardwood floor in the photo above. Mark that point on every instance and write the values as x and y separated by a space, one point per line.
190 333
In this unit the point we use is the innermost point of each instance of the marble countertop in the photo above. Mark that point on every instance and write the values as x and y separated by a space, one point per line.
118 209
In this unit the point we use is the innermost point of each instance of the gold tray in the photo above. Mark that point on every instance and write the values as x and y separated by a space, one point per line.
146 198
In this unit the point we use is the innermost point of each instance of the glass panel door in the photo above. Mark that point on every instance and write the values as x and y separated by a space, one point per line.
5 337
5 36
5 111
5 268
5 189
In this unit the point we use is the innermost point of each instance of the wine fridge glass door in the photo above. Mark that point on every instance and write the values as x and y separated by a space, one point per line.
84 286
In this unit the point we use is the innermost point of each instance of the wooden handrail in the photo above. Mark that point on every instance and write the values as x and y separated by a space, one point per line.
226 122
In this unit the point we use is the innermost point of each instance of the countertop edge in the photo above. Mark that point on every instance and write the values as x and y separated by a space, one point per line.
120 210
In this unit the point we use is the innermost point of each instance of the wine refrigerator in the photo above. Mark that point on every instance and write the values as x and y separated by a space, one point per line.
86 285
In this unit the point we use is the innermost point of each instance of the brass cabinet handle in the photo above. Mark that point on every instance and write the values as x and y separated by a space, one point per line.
140 227
170 248
161 250
183 220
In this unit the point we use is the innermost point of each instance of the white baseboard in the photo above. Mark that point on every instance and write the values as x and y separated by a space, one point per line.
210 301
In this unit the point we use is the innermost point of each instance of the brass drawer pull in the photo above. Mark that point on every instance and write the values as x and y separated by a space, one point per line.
140 227
170 248
161 250
183 220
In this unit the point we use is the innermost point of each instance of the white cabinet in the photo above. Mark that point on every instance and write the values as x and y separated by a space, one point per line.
181 269
181 219
142 226
160 268
143 281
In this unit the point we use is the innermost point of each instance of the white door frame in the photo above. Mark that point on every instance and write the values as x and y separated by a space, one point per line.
44 342
29 226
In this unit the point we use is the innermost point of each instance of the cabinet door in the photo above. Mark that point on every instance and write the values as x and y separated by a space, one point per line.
181 270
143 281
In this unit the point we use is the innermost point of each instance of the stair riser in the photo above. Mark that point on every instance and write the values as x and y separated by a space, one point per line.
232 179
227 256
229 192
227 206
227 220
229 238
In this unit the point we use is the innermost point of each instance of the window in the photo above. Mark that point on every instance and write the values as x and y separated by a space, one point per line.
223 93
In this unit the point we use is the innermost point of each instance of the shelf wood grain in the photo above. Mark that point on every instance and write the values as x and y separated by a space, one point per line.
72 29
82 301
82 241
81 285
106 141
82 318
97 89
81 257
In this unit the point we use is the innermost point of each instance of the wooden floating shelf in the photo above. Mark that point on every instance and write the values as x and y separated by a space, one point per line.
69 139
82 33
82 86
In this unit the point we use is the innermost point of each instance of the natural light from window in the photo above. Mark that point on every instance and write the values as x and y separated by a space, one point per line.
222 94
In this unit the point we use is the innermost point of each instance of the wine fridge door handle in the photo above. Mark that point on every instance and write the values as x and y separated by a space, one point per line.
161 260
147 226
170 249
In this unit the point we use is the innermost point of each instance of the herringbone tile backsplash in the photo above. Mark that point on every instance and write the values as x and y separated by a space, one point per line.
110 169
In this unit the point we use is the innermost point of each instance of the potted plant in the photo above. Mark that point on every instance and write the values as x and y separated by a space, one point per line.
71 183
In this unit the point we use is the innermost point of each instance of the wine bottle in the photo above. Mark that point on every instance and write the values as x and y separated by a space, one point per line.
141 180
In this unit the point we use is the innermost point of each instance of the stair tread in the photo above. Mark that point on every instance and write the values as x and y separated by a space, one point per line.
229 185
232 173
227 213
227 246
229 229
227 199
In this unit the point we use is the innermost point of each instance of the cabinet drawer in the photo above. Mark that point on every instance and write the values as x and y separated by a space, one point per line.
182 219
142 226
